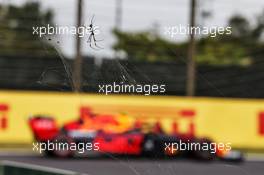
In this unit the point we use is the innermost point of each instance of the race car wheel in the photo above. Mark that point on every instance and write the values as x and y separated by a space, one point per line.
205 155
150 147
62 148
49 153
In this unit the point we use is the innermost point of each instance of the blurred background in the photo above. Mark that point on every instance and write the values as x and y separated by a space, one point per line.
38 75
134 46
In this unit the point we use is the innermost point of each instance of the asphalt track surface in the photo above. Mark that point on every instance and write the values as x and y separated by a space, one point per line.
135 166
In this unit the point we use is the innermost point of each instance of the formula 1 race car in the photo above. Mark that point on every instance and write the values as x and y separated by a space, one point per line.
73 137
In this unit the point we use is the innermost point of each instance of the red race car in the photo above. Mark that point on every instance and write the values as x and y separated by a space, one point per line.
94 134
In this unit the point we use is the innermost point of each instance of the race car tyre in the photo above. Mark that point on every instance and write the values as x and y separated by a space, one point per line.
49 153
62 148
205 155
151 147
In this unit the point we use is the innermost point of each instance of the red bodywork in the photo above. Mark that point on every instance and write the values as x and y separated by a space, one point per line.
127 143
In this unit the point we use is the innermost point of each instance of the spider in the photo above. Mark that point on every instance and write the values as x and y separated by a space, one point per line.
91 39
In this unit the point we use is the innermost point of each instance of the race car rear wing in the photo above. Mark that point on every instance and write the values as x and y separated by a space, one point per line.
43 128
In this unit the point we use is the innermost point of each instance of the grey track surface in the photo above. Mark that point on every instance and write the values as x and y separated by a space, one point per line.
124 166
